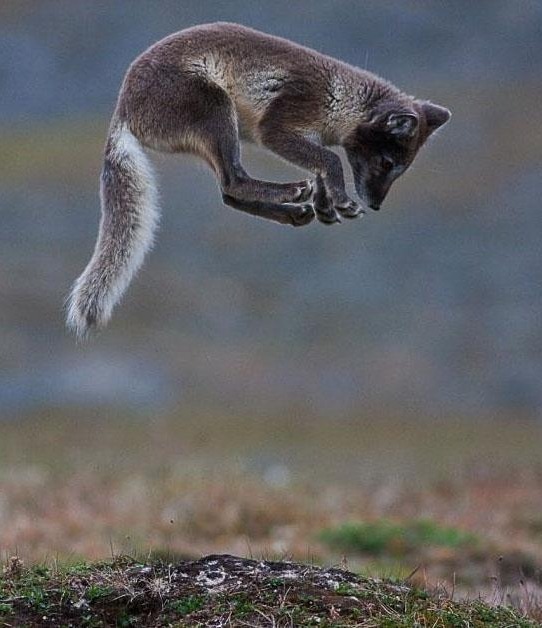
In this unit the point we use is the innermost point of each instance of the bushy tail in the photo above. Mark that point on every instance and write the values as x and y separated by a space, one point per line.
129 218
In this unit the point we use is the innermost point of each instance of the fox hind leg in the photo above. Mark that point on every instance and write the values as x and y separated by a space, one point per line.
280 202
259 198
221 141
294 214
178 112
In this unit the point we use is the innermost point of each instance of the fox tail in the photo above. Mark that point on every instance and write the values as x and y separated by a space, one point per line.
128 222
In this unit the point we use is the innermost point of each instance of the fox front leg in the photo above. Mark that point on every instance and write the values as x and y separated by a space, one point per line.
301 151
325 212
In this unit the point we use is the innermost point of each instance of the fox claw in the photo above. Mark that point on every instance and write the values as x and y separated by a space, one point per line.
304 192
352 210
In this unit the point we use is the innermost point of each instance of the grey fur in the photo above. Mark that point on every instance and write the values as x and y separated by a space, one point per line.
202 90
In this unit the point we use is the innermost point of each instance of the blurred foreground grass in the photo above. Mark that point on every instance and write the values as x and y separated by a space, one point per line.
185 486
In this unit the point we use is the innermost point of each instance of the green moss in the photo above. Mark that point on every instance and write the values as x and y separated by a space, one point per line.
98 591
187 605
387 537
5 608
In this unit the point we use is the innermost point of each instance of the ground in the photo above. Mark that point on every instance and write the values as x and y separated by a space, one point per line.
449 506
223 590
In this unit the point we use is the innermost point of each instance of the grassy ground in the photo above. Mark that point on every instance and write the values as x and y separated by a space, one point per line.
450 504
228 591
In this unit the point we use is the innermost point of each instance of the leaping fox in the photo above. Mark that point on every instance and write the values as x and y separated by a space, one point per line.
203 89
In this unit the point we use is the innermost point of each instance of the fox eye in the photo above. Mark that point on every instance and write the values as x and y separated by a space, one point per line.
386 164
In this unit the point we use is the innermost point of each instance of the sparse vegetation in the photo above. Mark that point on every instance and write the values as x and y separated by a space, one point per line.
228 591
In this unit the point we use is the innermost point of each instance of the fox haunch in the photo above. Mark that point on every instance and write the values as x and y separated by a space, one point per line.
204 89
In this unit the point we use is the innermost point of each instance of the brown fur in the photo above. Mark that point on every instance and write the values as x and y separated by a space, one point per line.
203 89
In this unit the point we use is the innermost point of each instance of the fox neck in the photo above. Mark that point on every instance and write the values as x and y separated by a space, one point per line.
352 98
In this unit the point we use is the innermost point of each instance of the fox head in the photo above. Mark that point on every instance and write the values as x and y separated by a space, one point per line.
382 148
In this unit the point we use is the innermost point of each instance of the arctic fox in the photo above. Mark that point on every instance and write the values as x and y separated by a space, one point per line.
205 88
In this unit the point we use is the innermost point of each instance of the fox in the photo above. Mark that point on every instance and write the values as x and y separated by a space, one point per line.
202 91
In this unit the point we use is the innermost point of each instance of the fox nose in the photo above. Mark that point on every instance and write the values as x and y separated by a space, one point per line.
375 206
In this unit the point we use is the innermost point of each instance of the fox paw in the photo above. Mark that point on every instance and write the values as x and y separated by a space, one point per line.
300 215
327 215
350 210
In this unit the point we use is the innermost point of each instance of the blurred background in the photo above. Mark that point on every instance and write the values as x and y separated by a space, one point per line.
406 346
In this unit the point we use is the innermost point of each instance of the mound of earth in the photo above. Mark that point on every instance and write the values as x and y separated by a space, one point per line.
223 590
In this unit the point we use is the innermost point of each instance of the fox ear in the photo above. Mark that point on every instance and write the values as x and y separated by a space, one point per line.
402 124
435 115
